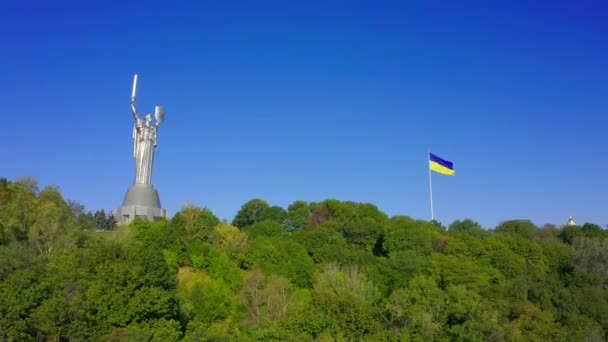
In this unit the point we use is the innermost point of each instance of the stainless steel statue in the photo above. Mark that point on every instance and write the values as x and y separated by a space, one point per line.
144 140
142 199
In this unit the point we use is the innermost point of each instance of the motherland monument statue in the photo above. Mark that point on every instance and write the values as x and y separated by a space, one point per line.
142 199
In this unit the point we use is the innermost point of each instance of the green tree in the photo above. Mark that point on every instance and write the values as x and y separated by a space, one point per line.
517 228
266 228
231 240
194 224
404 233
349 298
568 233
5 196
593 302
161 330
279 256
18 212
21 292
325 244
101 219
418 310
361 224
51 230
529 323
84 220
467 226
251 212
402 266
461 270
591 230
205 299
591 255
274 213
207 257
128 284
297 216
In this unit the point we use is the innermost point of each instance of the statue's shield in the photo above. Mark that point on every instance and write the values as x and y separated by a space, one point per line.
159 114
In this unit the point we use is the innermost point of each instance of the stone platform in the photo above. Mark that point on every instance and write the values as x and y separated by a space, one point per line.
140 201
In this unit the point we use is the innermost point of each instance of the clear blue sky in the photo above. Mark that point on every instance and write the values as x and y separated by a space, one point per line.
285 100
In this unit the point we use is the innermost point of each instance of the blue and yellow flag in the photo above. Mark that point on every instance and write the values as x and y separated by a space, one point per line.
439 165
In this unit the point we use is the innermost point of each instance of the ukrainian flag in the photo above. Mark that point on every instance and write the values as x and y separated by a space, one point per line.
439 165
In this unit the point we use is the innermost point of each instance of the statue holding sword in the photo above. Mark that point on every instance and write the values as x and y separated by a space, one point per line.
142 200
144 139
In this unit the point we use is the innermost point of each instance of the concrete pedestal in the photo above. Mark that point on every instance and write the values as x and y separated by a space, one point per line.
140 201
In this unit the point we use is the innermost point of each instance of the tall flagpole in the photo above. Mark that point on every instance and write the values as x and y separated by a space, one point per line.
428 156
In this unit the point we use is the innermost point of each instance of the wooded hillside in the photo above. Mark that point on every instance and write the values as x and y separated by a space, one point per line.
327 271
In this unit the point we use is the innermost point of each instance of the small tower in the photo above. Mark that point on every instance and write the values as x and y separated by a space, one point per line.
571 221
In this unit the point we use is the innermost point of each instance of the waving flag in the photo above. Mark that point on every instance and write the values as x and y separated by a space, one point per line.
440 165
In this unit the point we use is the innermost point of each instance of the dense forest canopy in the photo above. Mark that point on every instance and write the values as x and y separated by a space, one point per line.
327 271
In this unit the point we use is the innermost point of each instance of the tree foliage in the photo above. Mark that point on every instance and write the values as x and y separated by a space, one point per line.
324 271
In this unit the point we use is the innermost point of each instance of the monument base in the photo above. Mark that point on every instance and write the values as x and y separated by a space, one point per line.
141 201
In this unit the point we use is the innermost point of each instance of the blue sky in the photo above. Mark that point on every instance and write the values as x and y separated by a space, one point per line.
312 100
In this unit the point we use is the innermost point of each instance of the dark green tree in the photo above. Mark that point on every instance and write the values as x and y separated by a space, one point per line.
298 214
517 228
274 213
101 219
467 226
251 212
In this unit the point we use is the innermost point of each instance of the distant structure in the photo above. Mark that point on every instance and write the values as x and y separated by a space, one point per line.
571 221
142 199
